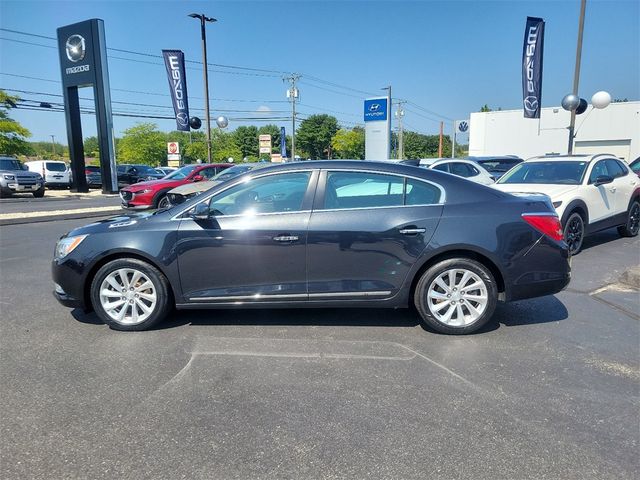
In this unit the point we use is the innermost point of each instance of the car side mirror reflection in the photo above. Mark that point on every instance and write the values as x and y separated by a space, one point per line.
198 178
602 180
201 212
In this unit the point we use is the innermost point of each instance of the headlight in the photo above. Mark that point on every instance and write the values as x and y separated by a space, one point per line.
67 245
557 204
146 190
9 177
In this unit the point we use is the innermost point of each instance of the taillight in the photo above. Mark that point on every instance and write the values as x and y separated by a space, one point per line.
549 224
87 172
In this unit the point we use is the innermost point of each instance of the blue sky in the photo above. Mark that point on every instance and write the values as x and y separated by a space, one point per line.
448 57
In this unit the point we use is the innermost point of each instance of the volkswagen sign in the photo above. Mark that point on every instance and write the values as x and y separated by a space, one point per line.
75 48
463 126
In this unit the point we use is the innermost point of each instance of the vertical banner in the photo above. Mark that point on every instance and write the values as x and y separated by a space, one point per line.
174 62
532 52
283 143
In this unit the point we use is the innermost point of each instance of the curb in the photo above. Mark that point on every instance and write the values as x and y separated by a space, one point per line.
631 277
53 218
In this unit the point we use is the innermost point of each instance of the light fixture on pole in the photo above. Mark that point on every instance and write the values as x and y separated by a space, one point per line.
203 19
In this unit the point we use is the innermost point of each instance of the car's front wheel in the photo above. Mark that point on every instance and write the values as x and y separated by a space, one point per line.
631 228
129 294
163 202
39 193
456 296
574 232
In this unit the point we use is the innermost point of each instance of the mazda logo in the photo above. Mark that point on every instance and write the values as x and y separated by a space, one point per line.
463 126
182 119
374 107
75 48
531 103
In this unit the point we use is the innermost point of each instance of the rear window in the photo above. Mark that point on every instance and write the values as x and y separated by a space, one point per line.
497 165
55 167
92 168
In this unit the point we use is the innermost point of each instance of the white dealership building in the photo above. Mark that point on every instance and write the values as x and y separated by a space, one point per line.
614 129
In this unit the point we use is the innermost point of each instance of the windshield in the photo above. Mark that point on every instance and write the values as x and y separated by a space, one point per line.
10 164
497 165
553 171
232 172
181 173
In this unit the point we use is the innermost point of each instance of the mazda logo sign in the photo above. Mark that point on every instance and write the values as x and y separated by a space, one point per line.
374 107
182 119
531 103
75 48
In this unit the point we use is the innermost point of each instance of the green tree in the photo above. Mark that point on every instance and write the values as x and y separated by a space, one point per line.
485 108
12 135
49 151
348 143
91 147
223 147
418 145
143 143
246 138
315 134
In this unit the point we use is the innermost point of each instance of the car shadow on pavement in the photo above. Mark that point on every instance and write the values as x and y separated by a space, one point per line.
599 238
527 312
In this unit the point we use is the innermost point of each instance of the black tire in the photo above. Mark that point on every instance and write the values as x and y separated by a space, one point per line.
422 301
39 193
163 201
164 298
631 228
573 232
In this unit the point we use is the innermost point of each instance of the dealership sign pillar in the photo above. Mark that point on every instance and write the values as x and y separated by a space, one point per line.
377 129
83 63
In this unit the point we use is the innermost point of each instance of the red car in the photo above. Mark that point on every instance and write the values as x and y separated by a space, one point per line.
153 194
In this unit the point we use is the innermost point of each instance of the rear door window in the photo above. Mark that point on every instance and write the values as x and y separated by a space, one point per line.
362 190
56 167
444 167
463 170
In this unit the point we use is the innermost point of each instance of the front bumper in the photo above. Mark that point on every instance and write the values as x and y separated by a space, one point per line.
137 201
69 284
15 187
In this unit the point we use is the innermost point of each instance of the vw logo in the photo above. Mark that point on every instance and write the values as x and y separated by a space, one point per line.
374 107
463 126
531 103
182 119
75 48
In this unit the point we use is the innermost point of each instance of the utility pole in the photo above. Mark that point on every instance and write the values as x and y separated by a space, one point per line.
576 73
53 144
203 34
399 115
453 140
440 142
292 95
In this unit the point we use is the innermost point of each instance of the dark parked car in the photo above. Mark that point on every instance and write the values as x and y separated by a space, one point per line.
92 174
496 165
129 174
320 234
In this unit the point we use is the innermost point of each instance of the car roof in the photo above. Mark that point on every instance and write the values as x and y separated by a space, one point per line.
571 158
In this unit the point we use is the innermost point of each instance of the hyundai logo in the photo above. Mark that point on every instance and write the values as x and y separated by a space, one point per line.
374 107
75 48
463 126
531 104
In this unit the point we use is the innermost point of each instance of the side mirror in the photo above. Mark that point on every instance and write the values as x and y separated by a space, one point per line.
602 180
201 212
198 178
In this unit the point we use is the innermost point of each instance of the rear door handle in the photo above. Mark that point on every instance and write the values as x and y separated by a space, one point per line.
285 238
412 231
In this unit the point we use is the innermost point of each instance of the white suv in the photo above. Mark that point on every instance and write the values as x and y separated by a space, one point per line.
589 192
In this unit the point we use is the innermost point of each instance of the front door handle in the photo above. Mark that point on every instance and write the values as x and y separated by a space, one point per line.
412 230
285 238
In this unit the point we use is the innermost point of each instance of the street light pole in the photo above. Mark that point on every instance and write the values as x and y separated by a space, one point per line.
203 33
53 144
576 74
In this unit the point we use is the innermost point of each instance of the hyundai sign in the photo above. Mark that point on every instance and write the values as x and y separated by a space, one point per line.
377 129
375 109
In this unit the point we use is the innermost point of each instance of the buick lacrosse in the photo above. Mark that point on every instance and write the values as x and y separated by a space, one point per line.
320 234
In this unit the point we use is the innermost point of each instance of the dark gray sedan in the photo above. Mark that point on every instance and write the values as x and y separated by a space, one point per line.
320 234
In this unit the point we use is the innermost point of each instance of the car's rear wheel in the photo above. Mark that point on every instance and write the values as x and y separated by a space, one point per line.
456 296
129 294
574 232
631 228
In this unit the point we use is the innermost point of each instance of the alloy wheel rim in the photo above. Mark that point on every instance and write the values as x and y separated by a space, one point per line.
573 234
457 297
634 219
164 202
128 296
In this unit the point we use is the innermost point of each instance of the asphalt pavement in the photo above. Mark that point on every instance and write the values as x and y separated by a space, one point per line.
550 389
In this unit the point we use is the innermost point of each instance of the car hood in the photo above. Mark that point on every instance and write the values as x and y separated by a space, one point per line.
154 183
26 173
553 191
119 222
196 187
